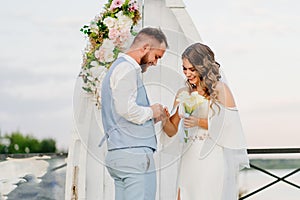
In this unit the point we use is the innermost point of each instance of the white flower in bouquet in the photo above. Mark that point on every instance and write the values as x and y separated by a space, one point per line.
190 102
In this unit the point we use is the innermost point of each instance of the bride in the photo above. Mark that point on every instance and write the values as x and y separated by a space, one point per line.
214 147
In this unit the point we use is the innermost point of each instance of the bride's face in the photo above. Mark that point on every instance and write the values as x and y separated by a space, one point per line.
190 72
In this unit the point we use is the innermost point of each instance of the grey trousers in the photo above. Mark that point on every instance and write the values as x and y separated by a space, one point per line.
134 174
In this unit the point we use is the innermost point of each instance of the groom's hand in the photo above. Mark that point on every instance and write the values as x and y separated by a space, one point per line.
158 112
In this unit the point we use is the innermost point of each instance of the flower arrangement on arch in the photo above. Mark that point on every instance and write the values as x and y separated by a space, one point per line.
109 33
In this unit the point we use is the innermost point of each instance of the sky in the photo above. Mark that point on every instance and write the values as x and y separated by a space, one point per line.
256 42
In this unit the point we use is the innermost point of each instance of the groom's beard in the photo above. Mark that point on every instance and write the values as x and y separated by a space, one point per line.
144 68
144 63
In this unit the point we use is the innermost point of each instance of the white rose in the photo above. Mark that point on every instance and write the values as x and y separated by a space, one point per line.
99 55
97 69
95 64
109 56
124 22
110 22
107 48
119 14
108 45
94 28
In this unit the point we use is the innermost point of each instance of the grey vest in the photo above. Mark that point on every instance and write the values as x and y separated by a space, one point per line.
121 133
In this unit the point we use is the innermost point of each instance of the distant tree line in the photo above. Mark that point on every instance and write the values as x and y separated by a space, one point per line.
17 142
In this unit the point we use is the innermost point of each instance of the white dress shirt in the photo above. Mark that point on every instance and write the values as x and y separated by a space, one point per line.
123 82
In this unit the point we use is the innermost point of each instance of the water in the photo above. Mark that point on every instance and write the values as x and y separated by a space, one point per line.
37 178
45 180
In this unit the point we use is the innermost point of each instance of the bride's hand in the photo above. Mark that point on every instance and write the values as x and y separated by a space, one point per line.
191 121
163 117
166 116
166 112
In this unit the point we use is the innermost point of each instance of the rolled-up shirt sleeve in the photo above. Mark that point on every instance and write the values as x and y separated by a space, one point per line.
123 82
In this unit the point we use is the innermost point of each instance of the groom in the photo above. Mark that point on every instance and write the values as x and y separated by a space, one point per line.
128 118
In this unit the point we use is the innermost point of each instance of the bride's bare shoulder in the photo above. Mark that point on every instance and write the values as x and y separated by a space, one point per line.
225 96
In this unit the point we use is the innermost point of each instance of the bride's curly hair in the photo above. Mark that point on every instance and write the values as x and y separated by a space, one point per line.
203 59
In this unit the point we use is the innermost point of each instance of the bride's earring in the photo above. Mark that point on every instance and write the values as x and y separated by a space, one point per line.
194 86
201 78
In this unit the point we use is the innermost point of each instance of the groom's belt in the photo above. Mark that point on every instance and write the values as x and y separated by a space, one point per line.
133 147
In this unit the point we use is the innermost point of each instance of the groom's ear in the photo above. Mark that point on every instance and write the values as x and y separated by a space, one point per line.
146 48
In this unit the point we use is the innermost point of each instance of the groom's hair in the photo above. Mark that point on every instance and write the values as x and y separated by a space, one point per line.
151 33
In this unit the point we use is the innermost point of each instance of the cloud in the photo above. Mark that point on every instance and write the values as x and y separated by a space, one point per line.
48 90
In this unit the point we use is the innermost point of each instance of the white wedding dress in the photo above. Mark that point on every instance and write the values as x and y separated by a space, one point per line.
198 175
208 162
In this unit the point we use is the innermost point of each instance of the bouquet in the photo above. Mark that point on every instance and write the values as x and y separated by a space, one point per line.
109 34
190 102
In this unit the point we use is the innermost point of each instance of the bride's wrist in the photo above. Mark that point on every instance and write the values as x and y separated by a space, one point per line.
199 122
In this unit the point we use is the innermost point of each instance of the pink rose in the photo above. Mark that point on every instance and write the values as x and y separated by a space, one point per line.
124 35
113 34
99 54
